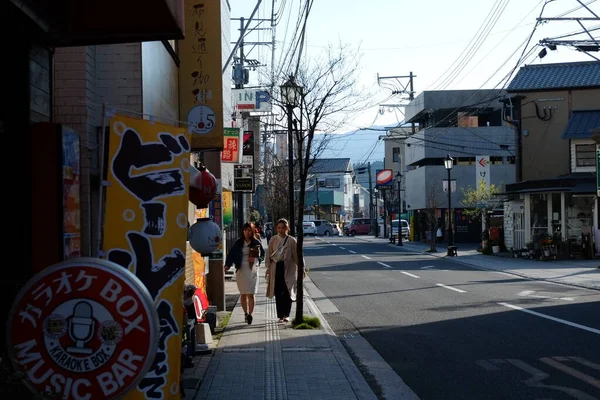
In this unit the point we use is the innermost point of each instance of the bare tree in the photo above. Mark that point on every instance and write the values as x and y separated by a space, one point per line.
330 91
275 185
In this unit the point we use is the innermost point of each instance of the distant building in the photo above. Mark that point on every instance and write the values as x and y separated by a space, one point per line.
467 125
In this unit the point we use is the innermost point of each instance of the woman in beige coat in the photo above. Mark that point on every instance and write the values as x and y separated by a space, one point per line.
282 270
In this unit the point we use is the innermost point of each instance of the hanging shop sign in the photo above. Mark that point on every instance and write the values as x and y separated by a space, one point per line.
200 73
83 329
231 145
145 230
243 184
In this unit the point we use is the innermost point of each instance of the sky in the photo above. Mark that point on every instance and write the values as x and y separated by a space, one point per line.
443 43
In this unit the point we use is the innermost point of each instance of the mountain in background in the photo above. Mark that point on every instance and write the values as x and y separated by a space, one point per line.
359 145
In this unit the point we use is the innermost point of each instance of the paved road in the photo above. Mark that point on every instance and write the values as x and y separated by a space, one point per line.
452 332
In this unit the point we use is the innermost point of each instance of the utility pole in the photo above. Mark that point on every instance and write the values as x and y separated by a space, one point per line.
371 210
240 78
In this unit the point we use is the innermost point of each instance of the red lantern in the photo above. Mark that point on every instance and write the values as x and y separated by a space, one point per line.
203 186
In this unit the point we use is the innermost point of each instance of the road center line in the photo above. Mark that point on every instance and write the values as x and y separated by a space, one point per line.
363 256
353 252
343 248
561 321
409 274
451 288
384 264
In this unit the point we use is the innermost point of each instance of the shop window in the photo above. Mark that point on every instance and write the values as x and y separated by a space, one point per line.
585 155
396 154
580 214
556 214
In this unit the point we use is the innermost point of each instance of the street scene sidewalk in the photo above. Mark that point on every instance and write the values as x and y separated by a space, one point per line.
270 360
582 273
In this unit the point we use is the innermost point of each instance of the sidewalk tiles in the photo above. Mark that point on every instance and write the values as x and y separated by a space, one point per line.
269 360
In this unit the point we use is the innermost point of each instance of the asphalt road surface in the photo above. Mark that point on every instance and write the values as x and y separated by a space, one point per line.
453 332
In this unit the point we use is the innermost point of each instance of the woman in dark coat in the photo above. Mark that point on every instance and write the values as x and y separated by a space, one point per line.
246 254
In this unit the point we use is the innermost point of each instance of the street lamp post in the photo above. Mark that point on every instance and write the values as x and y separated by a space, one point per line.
399 234
291 94
448 163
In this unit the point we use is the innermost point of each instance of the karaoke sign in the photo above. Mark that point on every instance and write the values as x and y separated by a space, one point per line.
83 329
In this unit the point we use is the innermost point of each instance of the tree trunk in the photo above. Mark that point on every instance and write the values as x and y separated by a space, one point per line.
483 226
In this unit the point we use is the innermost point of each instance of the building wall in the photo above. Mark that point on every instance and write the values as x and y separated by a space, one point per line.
459 142
74 89
541 140
40 84
119 76
426 184
160 85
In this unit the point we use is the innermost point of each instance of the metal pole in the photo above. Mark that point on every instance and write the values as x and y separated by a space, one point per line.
450 238
371 211
317 213
291 172
399 213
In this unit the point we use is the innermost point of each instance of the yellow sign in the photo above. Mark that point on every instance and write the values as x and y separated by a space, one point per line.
227 205
200 74
146 231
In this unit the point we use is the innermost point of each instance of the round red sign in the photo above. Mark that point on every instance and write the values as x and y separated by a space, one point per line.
83 329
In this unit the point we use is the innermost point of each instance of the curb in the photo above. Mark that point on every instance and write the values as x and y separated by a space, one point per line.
455 260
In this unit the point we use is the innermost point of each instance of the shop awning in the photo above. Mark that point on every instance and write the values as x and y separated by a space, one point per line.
581 124
84 22
579 182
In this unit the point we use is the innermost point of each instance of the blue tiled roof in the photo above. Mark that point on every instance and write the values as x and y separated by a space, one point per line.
556 76
324 165
581 123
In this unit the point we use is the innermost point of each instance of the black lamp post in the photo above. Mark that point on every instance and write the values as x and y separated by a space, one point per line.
448 164
291 94
399 234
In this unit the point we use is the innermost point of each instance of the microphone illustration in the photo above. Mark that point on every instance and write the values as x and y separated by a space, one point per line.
81 328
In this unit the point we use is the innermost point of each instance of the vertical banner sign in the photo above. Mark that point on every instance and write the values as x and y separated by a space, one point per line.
227 205
231 145
482 170
71 203
216 212
146 231
200 74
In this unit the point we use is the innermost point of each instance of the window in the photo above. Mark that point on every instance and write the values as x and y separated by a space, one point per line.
585 155
396 154
330 183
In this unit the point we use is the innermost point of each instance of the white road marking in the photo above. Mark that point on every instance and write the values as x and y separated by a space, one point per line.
451 288
572 371
409 274
384 264
530 293
333 244
561 321
353 252
488 366
363 256
343 248
428 267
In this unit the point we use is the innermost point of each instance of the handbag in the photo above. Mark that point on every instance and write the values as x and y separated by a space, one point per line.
277 255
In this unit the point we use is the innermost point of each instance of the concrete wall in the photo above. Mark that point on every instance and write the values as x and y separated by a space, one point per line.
424 186
160 84
459 142
541 140
450 99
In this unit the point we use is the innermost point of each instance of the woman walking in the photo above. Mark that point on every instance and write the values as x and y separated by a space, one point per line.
246 254
282 270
